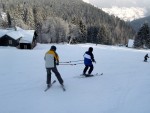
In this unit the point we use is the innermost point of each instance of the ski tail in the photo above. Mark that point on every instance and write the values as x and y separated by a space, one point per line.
50 85
63 87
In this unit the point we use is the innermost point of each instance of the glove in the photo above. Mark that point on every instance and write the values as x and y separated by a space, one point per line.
57 63
94 61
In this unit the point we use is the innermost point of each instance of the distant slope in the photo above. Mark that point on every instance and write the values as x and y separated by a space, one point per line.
136 24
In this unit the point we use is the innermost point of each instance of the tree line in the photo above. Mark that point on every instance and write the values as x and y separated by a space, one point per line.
142 38
65 21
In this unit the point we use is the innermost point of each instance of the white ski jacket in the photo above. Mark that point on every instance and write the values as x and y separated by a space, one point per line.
51 58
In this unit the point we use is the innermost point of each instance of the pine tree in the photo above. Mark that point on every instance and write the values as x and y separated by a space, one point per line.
83 31
9 19
147 44
92 32
102 36
143 37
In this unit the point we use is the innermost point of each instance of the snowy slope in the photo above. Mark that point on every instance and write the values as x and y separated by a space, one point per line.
124 87
87 1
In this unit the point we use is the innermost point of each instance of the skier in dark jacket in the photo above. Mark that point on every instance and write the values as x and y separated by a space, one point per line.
88 59
145 58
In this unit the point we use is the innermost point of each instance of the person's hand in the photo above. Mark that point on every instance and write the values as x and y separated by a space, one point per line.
57 63
94 61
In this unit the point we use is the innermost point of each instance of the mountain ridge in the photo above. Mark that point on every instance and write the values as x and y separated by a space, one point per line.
136 24
125 10
126 13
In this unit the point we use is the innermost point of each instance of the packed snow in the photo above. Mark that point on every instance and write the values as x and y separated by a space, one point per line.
124 86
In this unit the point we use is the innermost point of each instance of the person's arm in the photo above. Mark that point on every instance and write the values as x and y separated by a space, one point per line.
92 57
45 56
57 58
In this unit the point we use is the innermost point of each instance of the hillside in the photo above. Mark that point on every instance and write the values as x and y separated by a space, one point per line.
124 87
58 21
136 24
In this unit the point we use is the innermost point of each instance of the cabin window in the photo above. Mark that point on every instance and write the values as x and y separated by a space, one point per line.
25 46
10 42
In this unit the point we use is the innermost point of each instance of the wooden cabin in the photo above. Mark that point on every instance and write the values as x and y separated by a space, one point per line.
8 41
10 38
23 39
29 40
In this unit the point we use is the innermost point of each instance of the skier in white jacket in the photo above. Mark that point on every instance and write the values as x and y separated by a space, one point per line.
51 60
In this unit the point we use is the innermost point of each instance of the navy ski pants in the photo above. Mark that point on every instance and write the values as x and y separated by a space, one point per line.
86 68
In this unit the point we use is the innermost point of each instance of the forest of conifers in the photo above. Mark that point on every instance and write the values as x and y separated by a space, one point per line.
58 21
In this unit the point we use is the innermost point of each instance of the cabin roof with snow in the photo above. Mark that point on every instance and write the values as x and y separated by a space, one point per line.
25 35
3 32
15 34
28 36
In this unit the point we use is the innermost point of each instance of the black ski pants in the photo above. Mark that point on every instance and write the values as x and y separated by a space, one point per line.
145 59
57 74
86 68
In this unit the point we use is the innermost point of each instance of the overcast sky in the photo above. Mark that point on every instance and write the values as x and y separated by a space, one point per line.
120 3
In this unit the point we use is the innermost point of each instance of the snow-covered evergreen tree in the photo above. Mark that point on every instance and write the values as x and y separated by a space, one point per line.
142 38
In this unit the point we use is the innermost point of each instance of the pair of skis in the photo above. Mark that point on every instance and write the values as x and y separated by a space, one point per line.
82 76
62 86
91 75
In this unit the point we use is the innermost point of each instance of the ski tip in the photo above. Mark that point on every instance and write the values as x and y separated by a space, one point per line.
45 89
63 87
64 90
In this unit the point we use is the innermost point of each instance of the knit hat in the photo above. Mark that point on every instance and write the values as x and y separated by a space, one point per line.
90 49
53 48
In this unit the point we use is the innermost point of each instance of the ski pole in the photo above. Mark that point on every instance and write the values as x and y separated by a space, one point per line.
71 61
71 64
77 61
67 64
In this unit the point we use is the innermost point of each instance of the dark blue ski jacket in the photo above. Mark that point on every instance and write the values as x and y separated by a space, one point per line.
88 58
